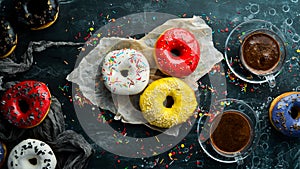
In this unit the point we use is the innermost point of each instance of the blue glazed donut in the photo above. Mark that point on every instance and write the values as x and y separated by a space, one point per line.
284 113
2 153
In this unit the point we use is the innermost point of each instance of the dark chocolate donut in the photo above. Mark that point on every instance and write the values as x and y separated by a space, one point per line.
8 38
37 14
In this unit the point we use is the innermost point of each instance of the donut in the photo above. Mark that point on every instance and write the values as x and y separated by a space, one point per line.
284 113
167 102
8 38
37 14
2 153
177 52
125 72
26 104
33 154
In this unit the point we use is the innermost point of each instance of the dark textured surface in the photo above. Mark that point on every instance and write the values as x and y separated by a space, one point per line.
78 16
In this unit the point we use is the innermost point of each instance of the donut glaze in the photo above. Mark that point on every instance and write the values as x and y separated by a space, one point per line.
37 14
2 153
125 72
26 104
8 38
177 52
156 109
284 113
31 154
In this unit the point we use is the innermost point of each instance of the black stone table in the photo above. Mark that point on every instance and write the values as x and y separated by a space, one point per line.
79 19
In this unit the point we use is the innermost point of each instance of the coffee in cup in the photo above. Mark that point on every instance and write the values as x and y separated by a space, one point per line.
231 132
260 52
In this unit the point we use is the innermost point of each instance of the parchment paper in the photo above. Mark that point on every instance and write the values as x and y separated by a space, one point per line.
88 76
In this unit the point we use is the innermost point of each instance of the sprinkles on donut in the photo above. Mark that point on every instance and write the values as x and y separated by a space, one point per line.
168 102
177 52
8 38
125 72
37 14
284 113
26 104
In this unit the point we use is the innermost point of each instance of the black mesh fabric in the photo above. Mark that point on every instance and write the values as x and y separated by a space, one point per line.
9 66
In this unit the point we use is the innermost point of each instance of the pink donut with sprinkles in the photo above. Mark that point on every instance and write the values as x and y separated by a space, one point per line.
125 72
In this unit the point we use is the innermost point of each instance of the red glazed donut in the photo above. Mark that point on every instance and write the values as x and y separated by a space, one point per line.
26 104
177 52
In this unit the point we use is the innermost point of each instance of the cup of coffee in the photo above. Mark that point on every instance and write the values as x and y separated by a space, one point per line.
263 53
231 132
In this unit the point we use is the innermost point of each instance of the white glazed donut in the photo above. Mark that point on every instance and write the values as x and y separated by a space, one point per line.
125 72
31 154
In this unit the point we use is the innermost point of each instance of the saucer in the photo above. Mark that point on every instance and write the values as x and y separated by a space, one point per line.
232 50
205 123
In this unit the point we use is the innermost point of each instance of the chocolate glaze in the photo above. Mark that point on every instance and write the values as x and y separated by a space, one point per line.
232 133
36 13
8 37
260 52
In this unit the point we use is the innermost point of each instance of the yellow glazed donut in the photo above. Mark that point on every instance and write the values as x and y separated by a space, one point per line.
165 115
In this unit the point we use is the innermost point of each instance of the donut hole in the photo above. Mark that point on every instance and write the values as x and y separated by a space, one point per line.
169 102
33 161
124 73
295 112
23 105
175 52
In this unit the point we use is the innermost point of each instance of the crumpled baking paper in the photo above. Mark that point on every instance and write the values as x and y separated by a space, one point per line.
88 73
